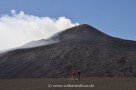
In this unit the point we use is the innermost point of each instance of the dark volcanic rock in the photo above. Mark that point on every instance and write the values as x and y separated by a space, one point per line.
81 48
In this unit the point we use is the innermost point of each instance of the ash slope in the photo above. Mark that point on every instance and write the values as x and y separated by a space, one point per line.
81 48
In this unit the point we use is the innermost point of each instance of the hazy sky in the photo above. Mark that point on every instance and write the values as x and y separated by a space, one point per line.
114 17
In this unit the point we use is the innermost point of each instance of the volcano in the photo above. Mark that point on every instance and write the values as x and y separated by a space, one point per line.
82 47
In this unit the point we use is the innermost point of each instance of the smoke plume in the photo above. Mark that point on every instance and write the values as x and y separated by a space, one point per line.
20 28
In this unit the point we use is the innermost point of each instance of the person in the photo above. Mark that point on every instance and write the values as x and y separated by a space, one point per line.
78 75
73 75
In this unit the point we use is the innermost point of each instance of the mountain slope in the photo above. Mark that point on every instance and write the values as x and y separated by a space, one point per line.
81 48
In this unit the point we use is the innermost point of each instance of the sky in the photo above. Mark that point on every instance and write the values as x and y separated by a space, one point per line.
114 17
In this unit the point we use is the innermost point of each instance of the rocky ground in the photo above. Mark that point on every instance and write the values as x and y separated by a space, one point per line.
94 83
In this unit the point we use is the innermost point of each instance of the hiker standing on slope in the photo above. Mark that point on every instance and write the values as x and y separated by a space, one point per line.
78 75
74 75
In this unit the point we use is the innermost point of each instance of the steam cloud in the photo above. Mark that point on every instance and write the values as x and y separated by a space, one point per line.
18 29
